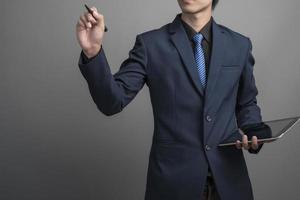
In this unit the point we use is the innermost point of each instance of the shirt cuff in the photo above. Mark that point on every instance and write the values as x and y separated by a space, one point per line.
85 59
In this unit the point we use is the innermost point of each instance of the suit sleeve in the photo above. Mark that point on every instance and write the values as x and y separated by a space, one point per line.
85 59
112 92
247 110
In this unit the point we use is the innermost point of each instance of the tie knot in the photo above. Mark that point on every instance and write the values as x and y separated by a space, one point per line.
197 38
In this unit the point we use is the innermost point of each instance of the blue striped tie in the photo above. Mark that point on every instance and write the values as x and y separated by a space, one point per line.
199 57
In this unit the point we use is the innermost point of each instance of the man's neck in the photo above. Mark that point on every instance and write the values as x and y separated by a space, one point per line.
196 20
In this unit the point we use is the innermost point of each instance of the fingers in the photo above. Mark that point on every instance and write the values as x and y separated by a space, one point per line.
86 23
238 144
254 144
88 20
80 23
245 142
93 8
96 15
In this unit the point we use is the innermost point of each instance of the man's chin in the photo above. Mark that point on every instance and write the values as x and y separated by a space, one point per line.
192 10
188 11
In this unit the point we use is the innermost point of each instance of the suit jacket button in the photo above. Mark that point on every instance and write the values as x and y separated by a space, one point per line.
207 147
208 118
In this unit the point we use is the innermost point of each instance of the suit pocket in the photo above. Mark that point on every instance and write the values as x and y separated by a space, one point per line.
230 66
166 142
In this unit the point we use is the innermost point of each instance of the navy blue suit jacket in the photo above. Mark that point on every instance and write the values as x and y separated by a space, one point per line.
189 123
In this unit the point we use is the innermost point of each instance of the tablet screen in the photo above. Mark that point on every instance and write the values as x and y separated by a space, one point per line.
266 130
280 126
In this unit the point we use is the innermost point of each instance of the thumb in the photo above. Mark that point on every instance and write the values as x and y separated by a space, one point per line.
96 15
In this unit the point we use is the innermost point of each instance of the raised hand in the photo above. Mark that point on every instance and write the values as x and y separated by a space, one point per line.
90 32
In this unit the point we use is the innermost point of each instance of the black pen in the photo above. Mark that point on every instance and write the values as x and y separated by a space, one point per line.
91 12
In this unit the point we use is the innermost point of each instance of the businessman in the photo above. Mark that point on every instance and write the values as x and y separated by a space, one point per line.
202 89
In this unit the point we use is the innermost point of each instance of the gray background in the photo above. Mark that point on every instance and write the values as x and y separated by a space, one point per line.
55 144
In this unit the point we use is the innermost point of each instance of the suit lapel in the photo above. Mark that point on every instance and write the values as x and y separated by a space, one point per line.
182 44
216 59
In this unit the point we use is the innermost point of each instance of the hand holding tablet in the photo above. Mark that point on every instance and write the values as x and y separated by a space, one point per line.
249 143
263 132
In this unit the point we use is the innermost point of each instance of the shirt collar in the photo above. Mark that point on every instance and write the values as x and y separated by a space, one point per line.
205 31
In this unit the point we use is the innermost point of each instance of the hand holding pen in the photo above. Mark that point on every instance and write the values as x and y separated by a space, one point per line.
91 12
90 30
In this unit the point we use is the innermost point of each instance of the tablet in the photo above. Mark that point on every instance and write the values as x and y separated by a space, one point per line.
265 131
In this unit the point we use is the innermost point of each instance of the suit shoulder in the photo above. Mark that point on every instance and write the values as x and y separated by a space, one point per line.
234 34
151 34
